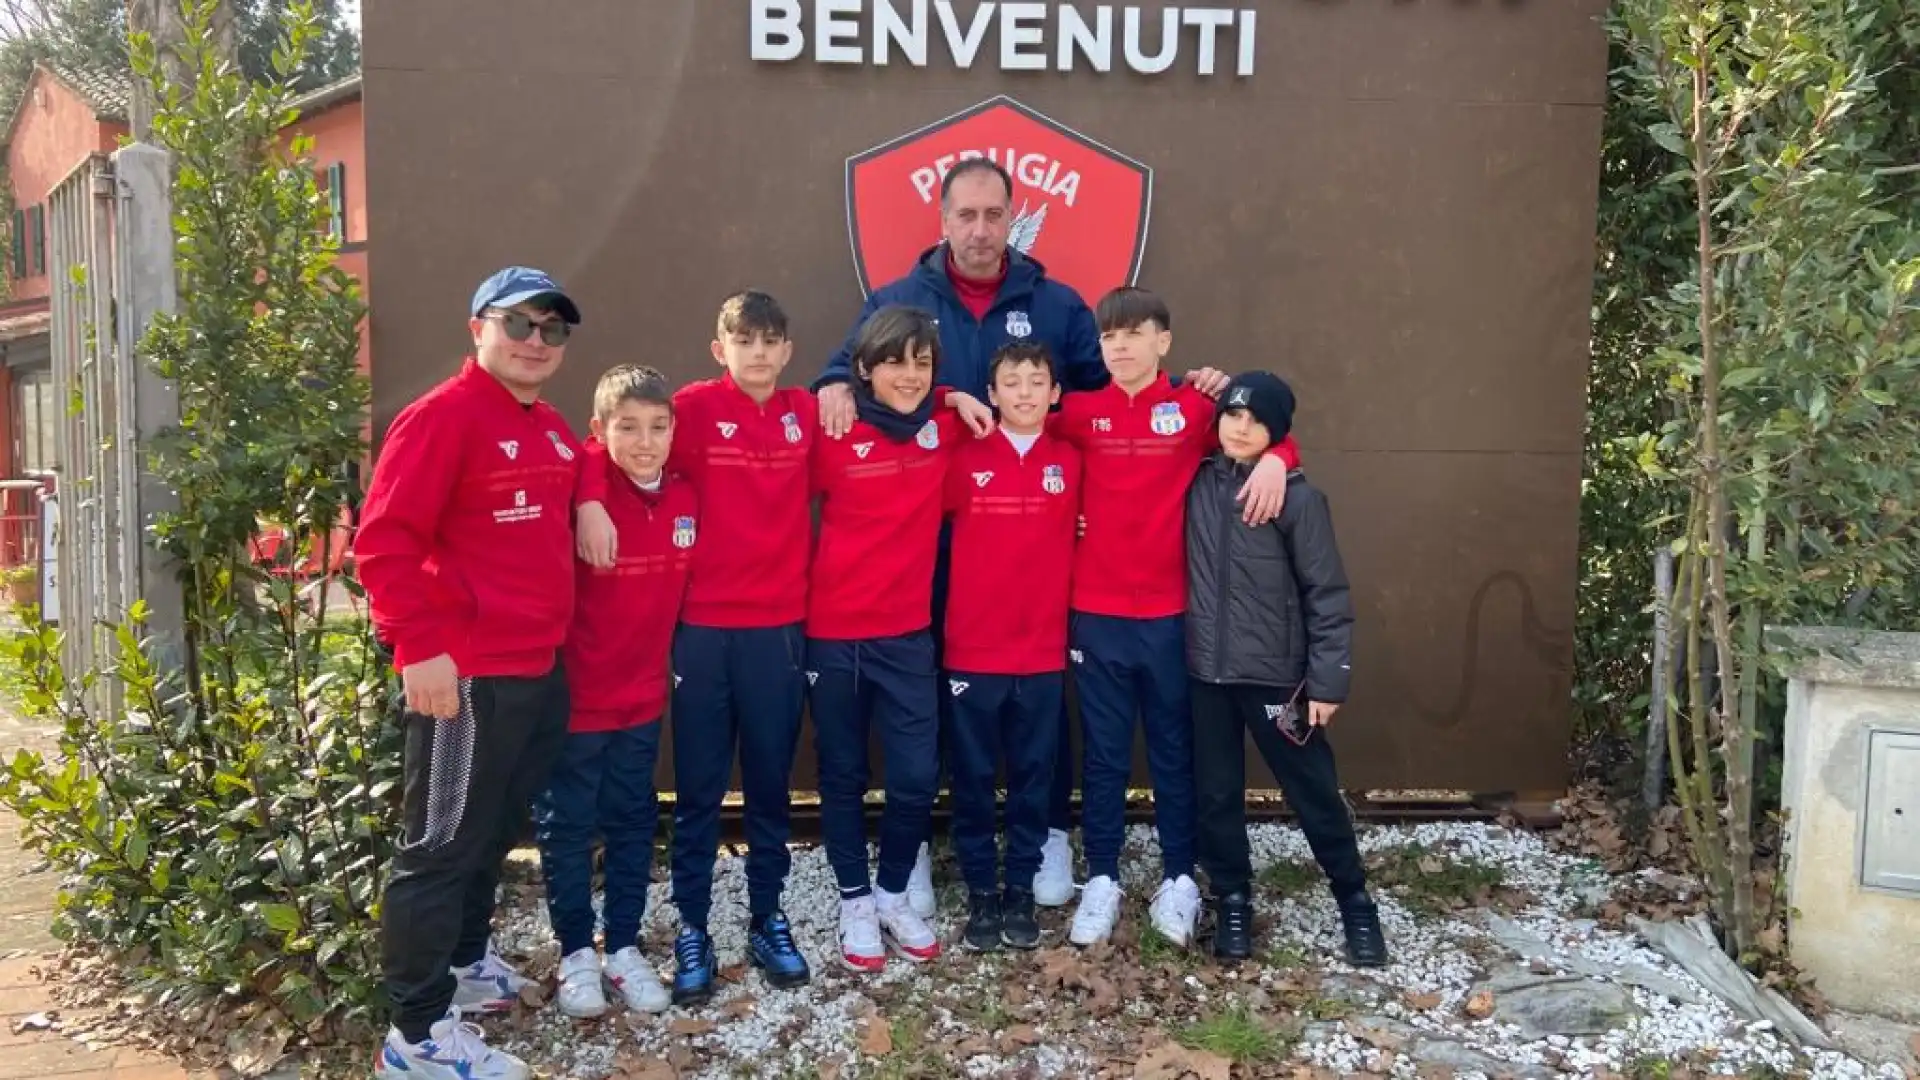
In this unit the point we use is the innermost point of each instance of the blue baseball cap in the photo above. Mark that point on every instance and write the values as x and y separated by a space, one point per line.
519 284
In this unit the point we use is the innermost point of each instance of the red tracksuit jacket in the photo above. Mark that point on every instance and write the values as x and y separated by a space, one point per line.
748 464
1139 455
1014 519
617 652
466 542
879 529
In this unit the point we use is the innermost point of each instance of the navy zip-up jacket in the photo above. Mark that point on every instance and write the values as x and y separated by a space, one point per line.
1030 306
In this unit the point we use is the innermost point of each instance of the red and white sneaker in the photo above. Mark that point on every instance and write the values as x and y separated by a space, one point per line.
903 927
861 948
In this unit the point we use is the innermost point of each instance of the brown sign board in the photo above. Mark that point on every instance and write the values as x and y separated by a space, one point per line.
1390 203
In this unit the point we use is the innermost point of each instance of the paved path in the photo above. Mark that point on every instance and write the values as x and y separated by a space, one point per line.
26 911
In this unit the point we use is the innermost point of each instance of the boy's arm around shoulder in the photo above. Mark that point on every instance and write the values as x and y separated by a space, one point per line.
1326 602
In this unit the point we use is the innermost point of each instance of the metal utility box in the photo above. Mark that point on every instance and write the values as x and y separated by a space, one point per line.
1890 819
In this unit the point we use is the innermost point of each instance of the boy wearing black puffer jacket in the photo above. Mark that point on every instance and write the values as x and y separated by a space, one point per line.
1269 650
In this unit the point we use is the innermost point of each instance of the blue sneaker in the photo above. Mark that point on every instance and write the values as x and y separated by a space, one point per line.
697 968
770 946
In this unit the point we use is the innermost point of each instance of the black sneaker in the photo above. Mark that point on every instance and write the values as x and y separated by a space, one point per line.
1366 945
984 921
1233 927
1019 930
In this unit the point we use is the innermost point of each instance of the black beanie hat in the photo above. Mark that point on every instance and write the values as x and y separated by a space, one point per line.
1264 394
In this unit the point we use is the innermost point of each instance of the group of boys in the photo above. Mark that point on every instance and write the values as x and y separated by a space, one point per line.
544 600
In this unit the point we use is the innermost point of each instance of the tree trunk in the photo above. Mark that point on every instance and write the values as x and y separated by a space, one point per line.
164 21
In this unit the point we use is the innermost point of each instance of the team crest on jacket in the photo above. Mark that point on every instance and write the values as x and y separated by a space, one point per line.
791 424
1167 419
1053 480
559 446
726 429
1018 325
982 479
1079 207
862 449
929 436
683 531
511 448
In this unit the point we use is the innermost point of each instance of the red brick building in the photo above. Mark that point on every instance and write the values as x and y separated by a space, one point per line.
65 116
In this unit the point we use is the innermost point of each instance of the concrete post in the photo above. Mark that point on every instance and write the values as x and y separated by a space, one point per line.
145 214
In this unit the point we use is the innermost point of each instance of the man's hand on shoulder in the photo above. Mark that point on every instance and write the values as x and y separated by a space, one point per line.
1264 494
596 540
433 687
975 413
836 409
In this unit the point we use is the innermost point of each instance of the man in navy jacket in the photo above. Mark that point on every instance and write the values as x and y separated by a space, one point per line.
984 294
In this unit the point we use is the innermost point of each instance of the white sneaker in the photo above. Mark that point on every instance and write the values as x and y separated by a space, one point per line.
1053 884
903 927
1099 909
579 995
452 1051
920 884
1175 907
488 986
860 946
638 984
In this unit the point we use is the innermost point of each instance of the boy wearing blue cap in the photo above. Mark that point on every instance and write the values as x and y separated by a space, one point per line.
466 551
1270 651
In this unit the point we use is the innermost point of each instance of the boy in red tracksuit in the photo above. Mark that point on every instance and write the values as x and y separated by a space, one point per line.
870 656
616 658
1015 501
466 550
742 441
1142 440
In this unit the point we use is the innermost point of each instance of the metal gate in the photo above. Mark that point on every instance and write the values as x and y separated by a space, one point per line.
111 270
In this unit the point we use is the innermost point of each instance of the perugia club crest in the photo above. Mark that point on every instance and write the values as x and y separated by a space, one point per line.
1079 207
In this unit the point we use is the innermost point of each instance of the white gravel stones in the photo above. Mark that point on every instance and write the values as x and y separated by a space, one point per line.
750 1030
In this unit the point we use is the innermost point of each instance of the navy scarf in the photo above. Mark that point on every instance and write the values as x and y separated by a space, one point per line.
890 422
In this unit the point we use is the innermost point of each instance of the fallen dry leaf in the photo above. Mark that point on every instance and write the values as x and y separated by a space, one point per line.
1423 1001
741 1007
1022 1034
1105 998
629 1065
1171 1061
690 1025
876 1038
681 1058
733 973
1430 865
533 995
1480 1005
1385 1040
830 1068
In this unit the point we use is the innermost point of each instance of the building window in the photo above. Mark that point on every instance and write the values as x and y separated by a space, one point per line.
39 420
334 182
19 232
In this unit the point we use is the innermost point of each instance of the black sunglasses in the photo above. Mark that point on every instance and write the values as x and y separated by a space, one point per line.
519 327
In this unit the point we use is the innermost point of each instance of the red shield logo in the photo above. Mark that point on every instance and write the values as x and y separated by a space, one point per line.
1079 207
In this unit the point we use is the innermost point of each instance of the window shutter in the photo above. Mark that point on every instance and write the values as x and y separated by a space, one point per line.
40 239
337 199
19 244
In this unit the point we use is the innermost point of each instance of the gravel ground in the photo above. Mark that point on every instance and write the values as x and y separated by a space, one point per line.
1442 1007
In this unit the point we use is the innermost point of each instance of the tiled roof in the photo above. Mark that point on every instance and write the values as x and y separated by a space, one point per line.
108 93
